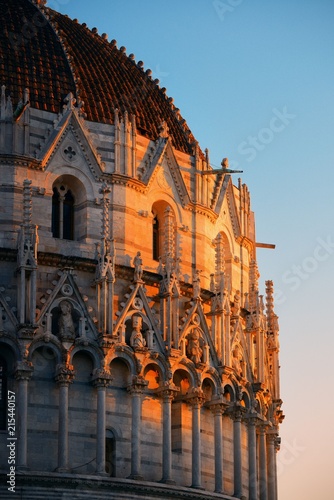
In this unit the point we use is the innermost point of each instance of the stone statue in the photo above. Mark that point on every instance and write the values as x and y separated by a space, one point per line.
169 265
137 340
65 322
197 285
138 263
236 304
194 350
237 360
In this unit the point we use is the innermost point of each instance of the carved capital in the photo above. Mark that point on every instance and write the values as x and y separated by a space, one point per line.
237 412
217 405
168 391
138 385
271 438
101 378
24 370
253 417
196 397
64 374
262 427
277 443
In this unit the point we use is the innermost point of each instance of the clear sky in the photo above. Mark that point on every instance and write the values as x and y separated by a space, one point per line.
254 80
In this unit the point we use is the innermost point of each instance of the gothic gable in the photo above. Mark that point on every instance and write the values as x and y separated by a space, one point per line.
65 314
195 340
69 141
226 196
137 325
240 359
164 168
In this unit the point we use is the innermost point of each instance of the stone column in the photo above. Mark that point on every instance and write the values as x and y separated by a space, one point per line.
101 379
64 377
136 390
23 374
61 215
167 394
237 417
271 455
277 448
196 399
252 468
263 463
217 407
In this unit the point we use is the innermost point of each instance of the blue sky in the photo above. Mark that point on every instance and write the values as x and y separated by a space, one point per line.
254 80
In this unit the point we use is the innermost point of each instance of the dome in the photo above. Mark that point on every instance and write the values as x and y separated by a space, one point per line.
52 55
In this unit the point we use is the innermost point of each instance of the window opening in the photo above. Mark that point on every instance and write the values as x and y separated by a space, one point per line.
156 236
63 213
111 455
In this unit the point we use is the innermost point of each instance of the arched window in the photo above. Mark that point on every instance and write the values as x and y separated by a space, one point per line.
3 393
163 231
55 213
62 213
110 453
68 220
156 236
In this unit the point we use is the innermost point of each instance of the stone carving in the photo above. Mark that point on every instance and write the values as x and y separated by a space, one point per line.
194 350
236 304
237 360
65 322
138 263
137 340
197 285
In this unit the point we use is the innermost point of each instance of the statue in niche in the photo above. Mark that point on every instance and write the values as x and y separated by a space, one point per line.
137 340
138 263
194 350
65 322
236 304
237 360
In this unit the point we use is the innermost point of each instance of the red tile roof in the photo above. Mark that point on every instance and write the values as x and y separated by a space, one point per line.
52 57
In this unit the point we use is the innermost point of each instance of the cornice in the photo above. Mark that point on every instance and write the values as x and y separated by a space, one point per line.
203 210
20 161
61 261
246 242
8 254
108 487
